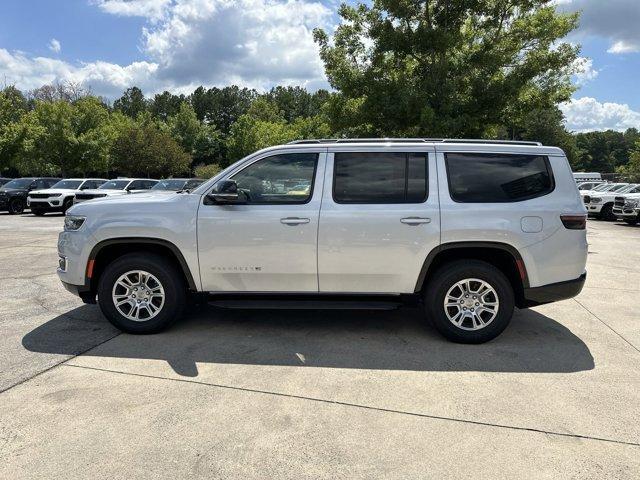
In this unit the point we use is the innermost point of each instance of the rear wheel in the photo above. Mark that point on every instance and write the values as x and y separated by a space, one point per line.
141 293
469 301
16 206
607 213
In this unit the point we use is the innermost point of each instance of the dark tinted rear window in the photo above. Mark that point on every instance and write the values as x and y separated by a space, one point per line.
380 177
492 178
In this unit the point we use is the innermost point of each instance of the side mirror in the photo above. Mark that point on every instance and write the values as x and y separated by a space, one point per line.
225 191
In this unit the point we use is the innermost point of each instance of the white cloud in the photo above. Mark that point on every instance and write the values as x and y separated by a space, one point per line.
584 70
55 46
624 47
614 20
152 9
104 78
587 114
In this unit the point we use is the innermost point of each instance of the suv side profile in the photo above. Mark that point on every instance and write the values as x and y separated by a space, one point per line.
60 196
470 228
119 186
13 194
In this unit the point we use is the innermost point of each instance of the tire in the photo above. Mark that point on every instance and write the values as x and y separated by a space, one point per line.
469 328
16 206
67 204
607 213
158 271
631 221
38 212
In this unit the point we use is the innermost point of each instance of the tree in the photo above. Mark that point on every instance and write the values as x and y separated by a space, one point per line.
296 102
142 149
221 106
443 68
131 103
631 171
13 105
166 104
207 171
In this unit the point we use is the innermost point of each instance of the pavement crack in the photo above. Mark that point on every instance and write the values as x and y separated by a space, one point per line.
608 326
362 406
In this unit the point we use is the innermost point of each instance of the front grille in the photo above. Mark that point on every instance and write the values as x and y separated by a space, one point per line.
619 201
586 199
39 195
89 196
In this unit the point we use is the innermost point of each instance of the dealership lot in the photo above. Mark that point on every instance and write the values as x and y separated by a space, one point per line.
322 394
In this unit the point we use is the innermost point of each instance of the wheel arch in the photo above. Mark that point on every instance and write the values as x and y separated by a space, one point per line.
108 250
501 255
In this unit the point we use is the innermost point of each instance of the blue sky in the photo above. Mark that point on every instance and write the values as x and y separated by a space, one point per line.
180 44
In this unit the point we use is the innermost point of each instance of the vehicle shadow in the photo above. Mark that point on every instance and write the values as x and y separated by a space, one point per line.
395 340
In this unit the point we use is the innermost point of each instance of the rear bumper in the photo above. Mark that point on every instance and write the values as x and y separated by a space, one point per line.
553 292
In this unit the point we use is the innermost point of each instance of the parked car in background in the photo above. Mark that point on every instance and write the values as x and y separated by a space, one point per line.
119 186
589 185
603 187
470 228
13 194
626 208
4 180
586 176
60 196
601 204
177 184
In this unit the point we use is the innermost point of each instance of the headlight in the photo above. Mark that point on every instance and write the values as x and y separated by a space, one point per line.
73 223
595 200
632 203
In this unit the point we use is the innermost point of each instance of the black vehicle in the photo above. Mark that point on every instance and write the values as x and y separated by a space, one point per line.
177 184
4 180
13 194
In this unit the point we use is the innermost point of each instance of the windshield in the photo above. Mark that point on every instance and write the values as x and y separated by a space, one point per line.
617 188
114 185
627 188
18 183
603 187
70 184
174 185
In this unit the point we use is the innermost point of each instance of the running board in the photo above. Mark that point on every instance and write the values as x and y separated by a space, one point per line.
304 305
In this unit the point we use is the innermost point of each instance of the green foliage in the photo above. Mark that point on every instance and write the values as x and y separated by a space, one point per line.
207 171
604 151
132 103
631 171
442 68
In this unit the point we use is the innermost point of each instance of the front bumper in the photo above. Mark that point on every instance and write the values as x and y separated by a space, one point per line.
82 291
553 292
594 207
44 204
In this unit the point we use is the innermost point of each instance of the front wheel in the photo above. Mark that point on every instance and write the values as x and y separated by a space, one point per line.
16 206
141 293
631 221
607 213
469 301
67 204
38 212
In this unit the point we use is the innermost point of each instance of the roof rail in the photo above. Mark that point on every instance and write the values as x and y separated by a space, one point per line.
413 140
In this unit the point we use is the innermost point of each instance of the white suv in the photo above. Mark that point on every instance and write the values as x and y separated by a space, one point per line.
601 204
471 228
60 196
119 186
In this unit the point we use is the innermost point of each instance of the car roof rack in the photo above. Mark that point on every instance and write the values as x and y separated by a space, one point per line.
413 140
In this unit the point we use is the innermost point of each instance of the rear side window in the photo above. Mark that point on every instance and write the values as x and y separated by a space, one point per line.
497 177
380 177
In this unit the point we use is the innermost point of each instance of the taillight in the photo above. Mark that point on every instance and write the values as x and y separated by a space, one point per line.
574 222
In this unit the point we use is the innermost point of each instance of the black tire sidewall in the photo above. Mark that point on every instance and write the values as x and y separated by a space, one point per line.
12 209
164 271
67 203
450 274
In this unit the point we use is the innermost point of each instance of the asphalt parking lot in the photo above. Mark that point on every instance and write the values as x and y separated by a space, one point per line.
251 394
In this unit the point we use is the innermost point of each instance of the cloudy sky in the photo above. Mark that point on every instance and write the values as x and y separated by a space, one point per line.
180 44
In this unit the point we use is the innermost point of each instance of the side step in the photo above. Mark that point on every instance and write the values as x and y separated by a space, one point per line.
266 304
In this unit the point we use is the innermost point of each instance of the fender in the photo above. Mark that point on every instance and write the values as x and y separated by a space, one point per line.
142 240
457 245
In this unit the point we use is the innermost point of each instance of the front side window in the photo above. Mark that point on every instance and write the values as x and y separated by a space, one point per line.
114 185
285 178
497 177
380 177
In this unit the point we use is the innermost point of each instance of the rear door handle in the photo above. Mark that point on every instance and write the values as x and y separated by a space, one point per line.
294 221
415 220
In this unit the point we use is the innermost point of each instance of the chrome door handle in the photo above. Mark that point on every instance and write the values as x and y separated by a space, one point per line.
294 221
415 220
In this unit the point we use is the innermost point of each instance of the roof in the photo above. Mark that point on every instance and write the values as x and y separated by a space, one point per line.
414 140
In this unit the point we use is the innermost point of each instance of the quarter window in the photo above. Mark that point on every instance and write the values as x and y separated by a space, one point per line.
380 177
497 177
286 178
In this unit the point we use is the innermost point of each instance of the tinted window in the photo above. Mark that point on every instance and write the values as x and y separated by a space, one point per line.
191 184
170 184
114 185
286 178
91 184
137 185
384 177
70 184
490 178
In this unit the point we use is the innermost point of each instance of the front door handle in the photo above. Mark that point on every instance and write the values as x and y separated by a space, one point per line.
294 221
415 220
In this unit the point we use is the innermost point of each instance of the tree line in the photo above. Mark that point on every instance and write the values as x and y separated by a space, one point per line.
397 68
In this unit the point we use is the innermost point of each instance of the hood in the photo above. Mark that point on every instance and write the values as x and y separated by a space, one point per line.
97 191
53 191
118 202
13 190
